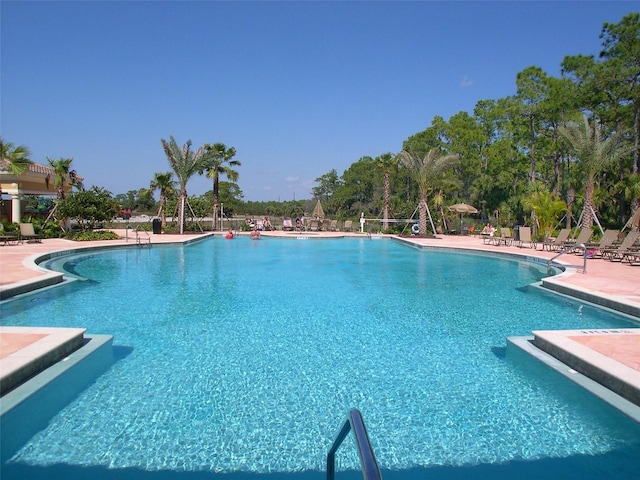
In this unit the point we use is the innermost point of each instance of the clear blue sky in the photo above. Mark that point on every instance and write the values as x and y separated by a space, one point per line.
298 88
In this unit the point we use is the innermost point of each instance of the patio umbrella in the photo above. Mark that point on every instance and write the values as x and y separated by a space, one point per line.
318 212
462 208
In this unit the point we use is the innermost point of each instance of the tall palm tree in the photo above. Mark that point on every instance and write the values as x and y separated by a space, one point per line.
164 183
14 159
63 176
185 163
595 155
214 165
427 171
386 162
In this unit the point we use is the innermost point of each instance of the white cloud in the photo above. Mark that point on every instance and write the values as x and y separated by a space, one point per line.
466 82
291 179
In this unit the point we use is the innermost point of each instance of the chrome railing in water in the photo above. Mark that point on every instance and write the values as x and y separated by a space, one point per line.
368 462
570 249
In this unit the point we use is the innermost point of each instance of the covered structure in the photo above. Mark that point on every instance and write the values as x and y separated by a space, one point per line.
35 181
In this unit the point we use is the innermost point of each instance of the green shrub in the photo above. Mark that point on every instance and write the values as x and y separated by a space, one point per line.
87 236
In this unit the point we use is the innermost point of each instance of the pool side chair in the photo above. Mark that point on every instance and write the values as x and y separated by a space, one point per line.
28 233
627 246
287 225
608 239
334 225
8 239
314 225
582 238
348 226
555 244
631 256
505 237
525 237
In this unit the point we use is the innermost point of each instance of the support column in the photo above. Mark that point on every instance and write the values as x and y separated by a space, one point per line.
15 203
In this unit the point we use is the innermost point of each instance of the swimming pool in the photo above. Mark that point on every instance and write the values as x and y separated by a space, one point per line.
244 357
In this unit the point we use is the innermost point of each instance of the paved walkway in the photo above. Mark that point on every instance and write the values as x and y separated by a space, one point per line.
609 283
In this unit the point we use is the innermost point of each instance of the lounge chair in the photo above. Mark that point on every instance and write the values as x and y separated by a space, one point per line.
314 225
505 237
582 238
287 225
594 249
626 247
525 237
326 225
28 233
555 244
632 256
334 225
8 239
348 226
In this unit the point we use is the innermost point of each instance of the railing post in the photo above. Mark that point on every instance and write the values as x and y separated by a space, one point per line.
368 463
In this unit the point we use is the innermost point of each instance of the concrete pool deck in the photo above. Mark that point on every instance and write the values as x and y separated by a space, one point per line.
610 284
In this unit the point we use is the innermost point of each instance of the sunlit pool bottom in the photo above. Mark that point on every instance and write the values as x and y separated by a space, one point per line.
240 378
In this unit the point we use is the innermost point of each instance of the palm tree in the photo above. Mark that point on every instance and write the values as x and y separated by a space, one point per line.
185 163
427 172
594 153
14 160
63 176
386 162
217 155
164 183
546 207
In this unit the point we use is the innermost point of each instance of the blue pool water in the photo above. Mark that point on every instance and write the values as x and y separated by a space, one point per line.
244 357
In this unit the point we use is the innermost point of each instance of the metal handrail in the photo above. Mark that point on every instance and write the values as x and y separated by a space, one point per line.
569 249
368 461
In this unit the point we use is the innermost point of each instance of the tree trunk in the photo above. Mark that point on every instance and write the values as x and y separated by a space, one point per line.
216 187
571 197
183 196
587 216
385 206
422 208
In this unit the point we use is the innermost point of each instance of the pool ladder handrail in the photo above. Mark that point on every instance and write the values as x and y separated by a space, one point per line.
138 238
368 463
570 249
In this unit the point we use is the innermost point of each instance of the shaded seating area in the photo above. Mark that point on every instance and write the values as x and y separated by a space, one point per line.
28 233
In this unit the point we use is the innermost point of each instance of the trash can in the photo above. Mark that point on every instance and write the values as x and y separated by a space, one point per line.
516 233
157 226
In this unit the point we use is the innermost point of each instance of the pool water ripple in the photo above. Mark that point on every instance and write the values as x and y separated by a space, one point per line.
246 356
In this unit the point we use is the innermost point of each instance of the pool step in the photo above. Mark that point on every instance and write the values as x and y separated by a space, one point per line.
578 349
26 351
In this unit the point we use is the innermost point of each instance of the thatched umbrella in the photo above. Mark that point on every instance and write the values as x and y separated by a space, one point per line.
318 212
